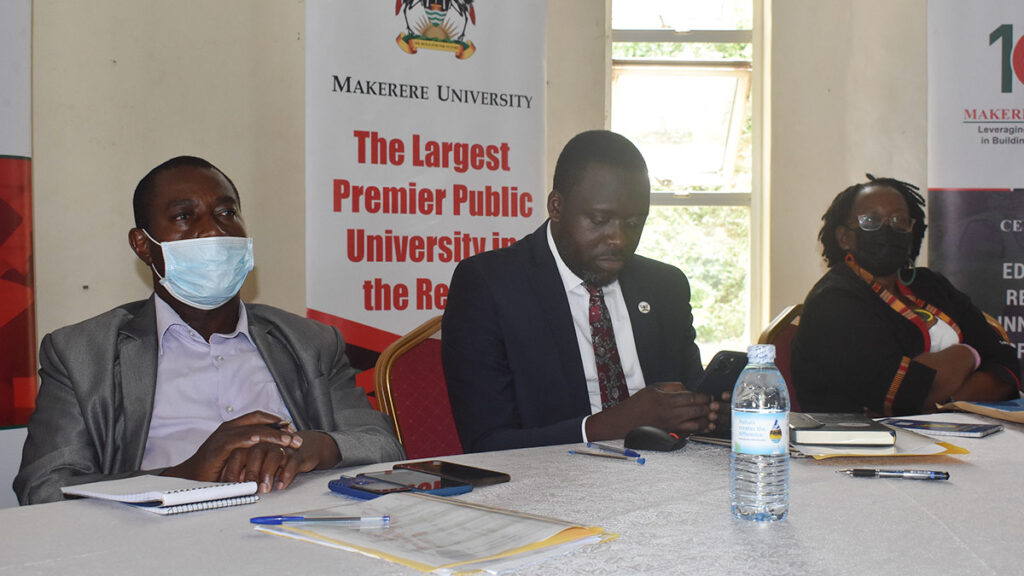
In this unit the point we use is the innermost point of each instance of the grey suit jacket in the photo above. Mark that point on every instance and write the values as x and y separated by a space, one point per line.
98 378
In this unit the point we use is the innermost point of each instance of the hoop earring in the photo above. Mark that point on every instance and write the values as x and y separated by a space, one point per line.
850 259
913 273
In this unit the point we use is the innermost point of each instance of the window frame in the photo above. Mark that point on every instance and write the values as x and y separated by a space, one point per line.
741 70
756 199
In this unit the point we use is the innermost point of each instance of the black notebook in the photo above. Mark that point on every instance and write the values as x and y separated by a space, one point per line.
838 429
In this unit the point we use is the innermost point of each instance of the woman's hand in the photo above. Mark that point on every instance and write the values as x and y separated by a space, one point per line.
953 366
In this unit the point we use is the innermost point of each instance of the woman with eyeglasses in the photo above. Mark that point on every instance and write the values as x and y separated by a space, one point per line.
881 336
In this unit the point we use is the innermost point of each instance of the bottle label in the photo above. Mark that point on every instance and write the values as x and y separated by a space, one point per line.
760 433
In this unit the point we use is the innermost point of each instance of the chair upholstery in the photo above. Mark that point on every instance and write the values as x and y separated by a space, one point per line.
411 389
781 331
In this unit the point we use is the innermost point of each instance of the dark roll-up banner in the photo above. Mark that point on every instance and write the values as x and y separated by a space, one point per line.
424 145
17 302
976 153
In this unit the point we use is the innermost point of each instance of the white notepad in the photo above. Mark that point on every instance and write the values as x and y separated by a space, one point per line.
167 495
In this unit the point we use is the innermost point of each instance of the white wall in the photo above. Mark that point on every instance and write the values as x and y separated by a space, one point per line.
122 85
848 96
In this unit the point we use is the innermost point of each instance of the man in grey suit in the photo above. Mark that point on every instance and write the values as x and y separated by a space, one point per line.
192 382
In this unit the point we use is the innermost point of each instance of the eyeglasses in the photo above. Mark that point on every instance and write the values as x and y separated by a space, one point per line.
898 222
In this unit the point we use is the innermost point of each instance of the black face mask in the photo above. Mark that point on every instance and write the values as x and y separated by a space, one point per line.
883 251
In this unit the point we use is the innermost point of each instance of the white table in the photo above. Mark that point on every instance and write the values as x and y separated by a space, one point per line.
672 514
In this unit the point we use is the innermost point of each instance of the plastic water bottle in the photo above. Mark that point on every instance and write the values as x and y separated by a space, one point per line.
759 477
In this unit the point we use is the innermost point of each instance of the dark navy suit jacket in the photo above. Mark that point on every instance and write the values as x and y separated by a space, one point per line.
511 358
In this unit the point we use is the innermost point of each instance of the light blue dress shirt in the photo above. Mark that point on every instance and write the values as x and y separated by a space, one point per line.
200 385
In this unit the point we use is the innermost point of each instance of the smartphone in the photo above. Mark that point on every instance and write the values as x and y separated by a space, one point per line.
721 374
461 472
420 481
364 488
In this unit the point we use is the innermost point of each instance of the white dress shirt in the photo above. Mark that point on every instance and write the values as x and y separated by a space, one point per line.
200 385
579 306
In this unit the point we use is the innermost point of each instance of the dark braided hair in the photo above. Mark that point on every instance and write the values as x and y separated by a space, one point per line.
839 213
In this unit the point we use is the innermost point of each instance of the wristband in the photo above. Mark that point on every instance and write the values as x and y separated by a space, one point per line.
977 357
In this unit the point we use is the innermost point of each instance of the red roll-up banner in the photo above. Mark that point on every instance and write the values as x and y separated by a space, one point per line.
17 301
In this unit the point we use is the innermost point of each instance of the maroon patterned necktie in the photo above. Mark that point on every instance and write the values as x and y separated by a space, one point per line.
609 368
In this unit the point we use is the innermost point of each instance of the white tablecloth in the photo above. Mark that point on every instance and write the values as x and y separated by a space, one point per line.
672 514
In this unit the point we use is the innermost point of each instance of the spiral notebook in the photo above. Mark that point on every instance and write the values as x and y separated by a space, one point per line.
166 495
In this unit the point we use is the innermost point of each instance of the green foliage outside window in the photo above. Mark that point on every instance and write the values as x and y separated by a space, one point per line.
710 245
680 51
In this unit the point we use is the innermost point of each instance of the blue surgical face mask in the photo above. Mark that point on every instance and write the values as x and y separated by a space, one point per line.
205 272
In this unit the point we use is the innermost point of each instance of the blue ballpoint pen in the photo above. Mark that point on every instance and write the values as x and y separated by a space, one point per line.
615 449
607 455
357 521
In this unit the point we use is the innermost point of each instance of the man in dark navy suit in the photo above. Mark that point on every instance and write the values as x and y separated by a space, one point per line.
529 356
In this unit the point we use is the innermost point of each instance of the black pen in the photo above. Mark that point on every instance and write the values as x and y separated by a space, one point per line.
904 474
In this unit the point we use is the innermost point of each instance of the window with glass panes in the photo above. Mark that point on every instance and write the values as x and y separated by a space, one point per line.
681 91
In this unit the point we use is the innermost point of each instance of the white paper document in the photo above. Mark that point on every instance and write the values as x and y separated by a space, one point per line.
444 535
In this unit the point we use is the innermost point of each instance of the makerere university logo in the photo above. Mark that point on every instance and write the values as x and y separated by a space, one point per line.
436 25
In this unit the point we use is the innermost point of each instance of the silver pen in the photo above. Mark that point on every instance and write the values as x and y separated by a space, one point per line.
607 455
614 449
904 474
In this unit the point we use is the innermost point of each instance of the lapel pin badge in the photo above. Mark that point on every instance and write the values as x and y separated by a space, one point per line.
644 307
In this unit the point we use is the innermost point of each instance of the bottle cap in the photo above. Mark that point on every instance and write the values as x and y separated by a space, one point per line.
761 354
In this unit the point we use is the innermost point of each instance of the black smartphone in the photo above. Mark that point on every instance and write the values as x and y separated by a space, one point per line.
419 481
721 374
460 472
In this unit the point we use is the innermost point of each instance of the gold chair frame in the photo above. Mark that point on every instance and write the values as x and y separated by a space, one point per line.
791 315
382 369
